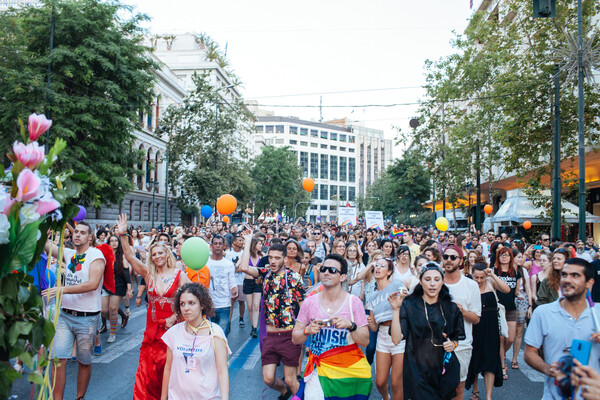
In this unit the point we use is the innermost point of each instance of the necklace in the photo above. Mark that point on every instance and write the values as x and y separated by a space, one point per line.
429 324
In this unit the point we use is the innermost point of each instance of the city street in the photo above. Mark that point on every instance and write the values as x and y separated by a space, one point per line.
113 373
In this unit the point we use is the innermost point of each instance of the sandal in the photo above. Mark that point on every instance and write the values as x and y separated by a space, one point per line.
514 365
474 396
505 373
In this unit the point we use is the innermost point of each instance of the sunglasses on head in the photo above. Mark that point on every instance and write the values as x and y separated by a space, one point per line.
450 256
331 270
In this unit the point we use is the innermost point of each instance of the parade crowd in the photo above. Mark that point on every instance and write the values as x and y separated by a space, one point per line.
432 310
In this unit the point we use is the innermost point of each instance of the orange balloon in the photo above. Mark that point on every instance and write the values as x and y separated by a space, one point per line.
308 184
488 209
226 204
527 224
226 219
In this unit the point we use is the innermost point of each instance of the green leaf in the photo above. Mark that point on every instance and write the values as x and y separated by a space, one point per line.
27 359
48 332
24 294
36 377
60 195
24 246
17 329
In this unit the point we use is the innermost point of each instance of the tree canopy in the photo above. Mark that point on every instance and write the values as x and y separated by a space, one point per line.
207 145
278 180
101 77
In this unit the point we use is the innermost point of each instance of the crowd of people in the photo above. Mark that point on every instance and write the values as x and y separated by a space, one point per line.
432 310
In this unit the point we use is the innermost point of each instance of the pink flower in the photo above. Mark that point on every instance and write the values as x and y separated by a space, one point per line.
44 207
28 184
29 155
38 124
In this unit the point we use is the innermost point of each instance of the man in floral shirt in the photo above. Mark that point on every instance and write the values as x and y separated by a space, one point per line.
282 294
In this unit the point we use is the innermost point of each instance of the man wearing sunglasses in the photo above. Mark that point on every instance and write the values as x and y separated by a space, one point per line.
465 293
336 322
553 326
321 248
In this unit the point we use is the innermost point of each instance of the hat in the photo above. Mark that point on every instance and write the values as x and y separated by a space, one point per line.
456 249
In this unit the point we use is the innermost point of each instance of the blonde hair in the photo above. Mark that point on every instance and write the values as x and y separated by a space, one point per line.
171 263
372 259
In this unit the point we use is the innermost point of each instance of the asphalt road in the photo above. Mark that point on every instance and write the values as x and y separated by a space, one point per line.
113 373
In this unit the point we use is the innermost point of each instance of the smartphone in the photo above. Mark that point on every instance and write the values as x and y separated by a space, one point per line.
580 350
537 247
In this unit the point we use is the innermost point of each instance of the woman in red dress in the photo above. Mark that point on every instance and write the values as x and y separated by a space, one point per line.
163 279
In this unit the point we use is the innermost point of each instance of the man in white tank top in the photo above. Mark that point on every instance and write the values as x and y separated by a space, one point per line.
79 316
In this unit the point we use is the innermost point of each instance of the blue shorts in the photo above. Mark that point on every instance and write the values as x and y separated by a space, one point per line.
81 330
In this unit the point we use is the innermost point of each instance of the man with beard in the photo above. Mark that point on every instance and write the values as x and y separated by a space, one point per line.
465 293
282 294
336 323
553 326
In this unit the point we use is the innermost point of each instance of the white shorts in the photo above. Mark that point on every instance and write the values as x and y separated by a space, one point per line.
104 292
463 354
385 344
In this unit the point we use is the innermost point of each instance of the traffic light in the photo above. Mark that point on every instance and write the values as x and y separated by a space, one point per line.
544 8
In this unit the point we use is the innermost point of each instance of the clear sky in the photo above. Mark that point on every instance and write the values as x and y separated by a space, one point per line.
292 52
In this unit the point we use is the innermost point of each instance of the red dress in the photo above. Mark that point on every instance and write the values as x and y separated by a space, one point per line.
153 353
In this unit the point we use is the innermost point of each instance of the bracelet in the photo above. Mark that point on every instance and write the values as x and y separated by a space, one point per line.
123 234
455 345
304 331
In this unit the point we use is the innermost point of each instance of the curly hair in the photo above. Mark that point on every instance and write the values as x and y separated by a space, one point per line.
201 294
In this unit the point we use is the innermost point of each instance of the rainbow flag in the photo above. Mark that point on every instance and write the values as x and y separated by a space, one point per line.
344 373
347 222
396 232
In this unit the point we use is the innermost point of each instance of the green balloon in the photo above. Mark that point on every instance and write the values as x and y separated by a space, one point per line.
195 253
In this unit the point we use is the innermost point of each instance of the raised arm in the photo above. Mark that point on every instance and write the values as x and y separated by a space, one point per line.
497 283
245 262
136 264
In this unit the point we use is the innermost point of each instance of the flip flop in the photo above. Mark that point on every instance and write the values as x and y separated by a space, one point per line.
514 365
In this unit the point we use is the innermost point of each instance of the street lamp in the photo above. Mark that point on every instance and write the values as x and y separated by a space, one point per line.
468 187
152 185
297 204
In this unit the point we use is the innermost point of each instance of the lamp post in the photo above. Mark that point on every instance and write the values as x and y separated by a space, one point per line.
301 202
152 185
580 125
468 188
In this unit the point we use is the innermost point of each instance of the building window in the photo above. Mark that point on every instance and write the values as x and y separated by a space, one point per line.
324 166
304 162
294 130
343 169
333 147
342 137
342 149
324 206
279 129
293 141
295 153
260 128
351 169
314 133
351 150
351 193
343 194
315 193
352 139
333 136
303 131
333 168
314 165
303 143
278 141
269 129
333 192
314 145
324 135
324 192
323 146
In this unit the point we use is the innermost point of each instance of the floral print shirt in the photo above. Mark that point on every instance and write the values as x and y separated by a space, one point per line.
281 305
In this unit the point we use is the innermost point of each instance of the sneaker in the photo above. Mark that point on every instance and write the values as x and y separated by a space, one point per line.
111 338
285 396
98 350
103 329
254 333
242 323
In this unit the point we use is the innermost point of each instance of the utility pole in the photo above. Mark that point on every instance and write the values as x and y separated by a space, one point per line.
581 132
167 184
556 181
478 183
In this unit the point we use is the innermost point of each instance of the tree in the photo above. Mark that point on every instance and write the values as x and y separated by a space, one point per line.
489 105
101 77
207 145
278 179
401 189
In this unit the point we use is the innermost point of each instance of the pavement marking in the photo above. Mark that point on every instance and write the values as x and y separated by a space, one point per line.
530 373
237 361
252 358
124 343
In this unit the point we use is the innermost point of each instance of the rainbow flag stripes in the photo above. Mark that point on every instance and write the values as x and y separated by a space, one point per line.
396 232
344 373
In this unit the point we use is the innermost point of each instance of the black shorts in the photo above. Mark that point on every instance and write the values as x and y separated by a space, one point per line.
250 286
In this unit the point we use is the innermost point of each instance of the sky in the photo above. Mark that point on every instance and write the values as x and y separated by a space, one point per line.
351 53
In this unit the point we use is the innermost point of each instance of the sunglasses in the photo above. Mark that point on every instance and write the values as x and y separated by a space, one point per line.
331 270
450 256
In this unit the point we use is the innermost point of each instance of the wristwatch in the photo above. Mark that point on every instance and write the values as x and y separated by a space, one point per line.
352 328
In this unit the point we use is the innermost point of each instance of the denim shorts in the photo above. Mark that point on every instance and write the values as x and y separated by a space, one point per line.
81 330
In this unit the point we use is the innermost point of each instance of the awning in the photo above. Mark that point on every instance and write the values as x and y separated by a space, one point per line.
518 208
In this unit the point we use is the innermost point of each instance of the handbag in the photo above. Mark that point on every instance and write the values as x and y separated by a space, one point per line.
450 376
502 324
